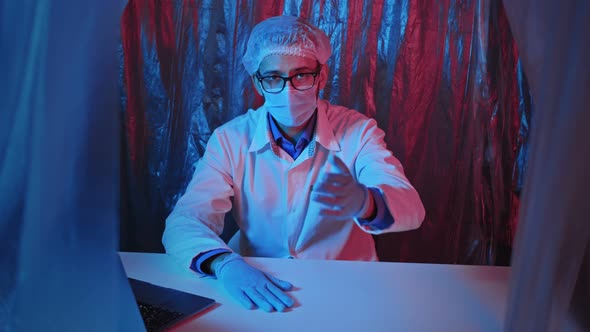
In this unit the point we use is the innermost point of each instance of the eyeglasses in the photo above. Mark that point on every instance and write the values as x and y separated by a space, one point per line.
276 83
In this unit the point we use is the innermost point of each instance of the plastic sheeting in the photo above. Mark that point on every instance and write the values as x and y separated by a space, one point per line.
442 78
59 270
550 278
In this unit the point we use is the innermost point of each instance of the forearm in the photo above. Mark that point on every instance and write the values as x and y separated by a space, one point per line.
398 209
184 238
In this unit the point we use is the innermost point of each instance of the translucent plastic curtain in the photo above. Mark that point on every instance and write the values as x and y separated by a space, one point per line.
442 78
59 153
550 283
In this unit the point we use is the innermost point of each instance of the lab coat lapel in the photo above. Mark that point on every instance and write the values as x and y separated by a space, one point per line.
324 131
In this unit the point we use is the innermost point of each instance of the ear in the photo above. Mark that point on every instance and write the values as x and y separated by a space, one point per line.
257 86
323 76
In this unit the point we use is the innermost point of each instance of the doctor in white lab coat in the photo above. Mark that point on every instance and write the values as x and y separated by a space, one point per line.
303 178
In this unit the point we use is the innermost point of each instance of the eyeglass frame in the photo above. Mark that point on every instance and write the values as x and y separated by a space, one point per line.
289 79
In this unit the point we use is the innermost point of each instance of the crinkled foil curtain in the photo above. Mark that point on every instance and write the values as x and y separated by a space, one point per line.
442 78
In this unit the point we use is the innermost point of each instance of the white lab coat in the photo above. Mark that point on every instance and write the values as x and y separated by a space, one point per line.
243 168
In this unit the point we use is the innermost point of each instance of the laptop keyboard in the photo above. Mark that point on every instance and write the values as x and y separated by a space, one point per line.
155 318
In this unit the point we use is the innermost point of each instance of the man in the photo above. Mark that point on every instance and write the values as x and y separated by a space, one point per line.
305 179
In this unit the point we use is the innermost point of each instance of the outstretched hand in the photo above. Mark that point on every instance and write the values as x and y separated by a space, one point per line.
338 192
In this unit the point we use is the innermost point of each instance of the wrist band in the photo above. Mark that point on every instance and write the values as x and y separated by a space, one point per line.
366 203
227 259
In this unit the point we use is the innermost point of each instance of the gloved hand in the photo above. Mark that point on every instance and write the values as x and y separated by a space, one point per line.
252 287
338 192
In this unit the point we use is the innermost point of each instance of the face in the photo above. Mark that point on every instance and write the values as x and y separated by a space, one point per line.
289 65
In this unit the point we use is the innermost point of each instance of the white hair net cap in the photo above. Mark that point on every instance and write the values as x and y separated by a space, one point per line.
285 35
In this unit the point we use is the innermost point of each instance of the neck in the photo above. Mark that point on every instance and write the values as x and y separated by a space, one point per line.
293 134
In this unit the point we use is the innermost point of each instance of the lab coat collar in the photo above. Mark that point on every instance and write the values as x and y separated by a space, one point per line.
262 134
324 134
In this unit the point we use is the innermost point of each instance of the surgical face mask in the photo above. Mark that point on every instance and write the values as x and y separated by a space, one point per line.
291 107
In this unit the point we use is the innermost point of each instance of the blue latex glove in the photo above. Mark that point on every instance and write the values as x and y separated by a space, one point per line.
251 287
338 192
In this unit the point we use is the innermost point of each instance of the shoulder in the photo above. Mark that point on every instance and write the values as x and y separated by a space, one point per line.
344 120
242 126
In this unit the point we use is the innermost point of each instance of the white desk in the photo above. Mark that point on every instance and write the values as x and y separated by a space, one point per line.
347 296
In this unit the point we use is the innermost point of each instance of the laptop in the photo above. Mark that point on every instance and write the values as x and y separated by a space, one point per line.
162 308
